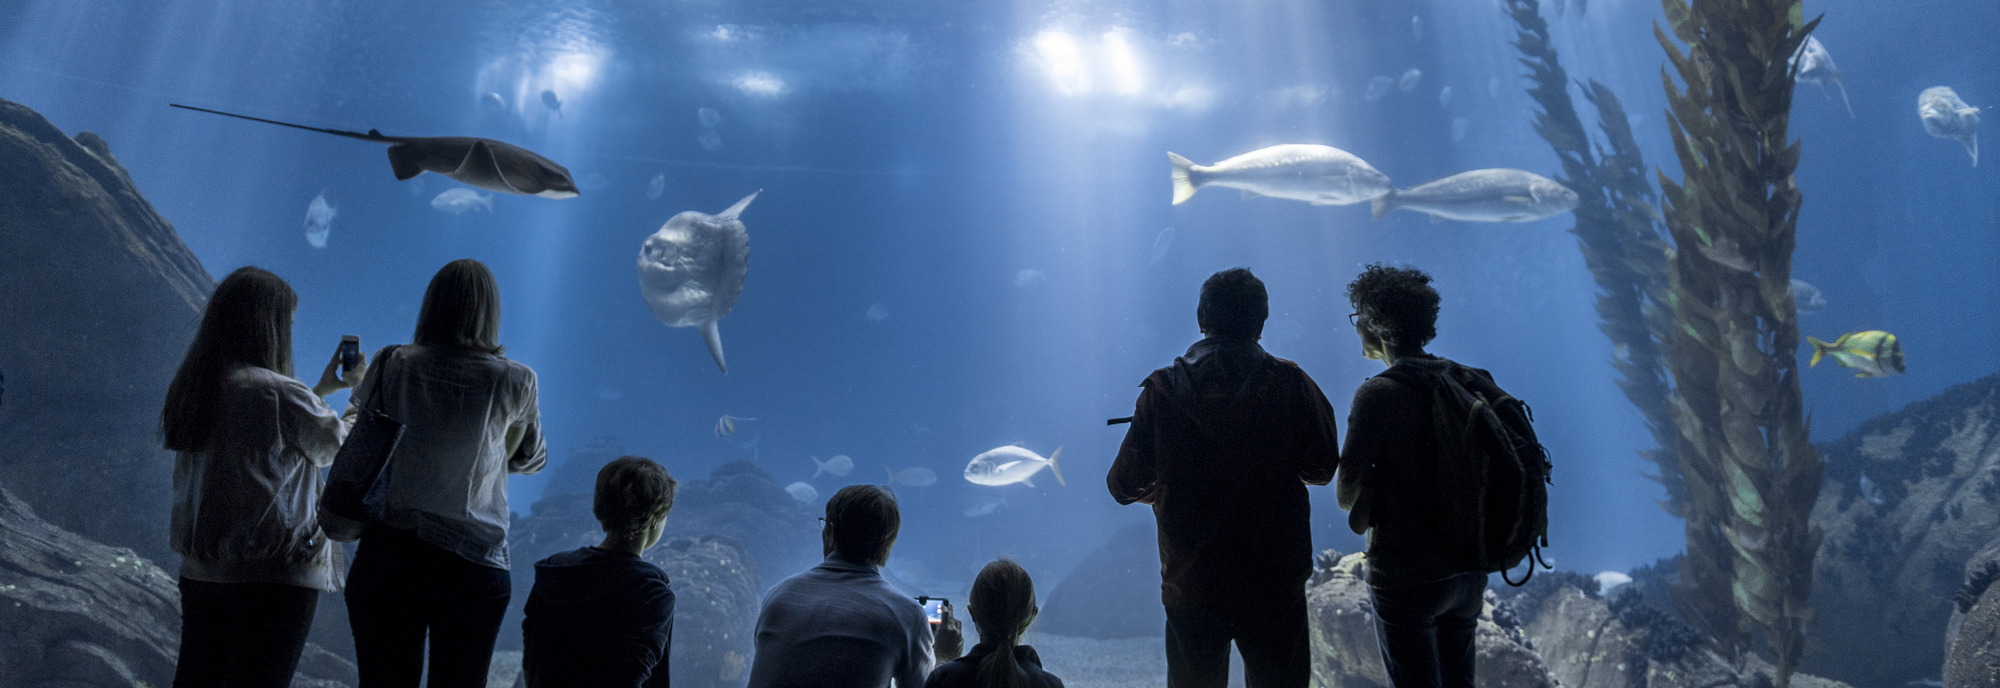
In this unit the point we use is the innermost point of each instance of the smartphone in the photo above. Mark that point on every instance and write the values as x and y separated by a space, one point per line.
934 608
350 351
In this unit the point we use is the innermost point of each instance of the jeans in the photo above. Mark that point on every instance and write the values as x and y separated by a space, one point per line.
402 588
1272 637
1426 631
242 635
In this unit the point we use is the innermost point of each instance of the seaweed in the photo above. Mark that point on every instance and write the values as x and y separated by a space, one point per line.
1751 474
1664 638
1617 229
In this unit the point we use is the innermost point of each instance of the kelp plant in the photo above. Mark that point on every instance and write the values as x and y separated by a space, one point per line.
1618 230
1751 473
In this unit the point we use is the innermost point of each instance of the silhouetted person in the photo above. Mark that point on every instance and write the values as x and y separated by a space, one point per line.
1002 605
1426 611
434 566
839 625
1222 445
600 616
249 443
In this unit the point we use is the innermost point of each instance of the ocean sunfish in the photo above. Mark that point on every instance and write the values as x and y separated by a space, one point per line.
1946 116
1011 464
484 163
1815 66
1495 195
1316 174
691 271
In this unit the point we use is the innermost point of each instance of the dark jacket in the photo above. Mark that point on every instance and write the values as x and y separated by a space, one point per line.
1222 445
1391 445
598 618
964 671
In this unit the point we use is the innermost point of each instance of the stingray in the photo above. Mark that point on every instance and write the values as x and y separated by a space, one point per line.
691 271
484 163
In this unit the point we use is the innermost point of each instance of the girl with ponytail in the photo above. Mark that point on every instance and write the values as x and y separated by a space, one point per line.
1002 606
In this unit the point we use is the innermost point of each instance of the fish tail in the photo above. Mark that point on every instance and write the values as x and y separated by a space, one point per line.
822 468
1053 468
1819 350
1184 184
891 474
1382 205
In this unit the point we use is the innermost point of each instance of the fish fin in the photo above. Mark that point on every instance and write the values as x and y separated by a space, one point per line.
400 161
493 159
1183 175
713 336
1843 98
1972 146
1819 350
1248 194
1382 205
1517 199
1435 218
1053 468
1005 466
1029 481
736 210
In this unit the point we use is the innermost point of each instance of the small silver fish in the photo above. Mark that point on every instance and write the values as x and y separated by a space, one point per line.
876 313
839 465
1011 464
1807 296
1377 88
1870 491
1417 28
1410 79
550 101
1946 116
460 200
319 221
1316 174
985 507
1495 195
708 117
727 425
916 476
1162 243
657 186
802 492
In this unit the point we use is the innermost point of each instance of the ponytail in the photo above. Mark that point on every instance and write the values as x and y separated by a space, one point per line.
1002 605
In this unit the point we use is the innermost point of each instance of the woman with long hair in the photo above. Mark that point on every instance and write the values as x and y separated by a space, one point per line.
249 443
433 565
1002 606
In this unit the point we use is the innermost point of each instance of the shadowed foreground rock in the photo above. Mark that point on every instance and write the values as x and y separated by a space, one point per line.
101 298
1555 631
716 602
1114 593
78 614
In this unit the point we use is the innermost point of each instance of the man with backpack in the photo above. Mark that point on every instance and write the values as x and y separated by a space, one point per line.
1442 472
1223 444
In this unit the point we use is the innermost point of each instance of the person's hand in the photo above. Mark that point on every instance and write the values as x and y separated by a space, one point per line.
948 641
331 381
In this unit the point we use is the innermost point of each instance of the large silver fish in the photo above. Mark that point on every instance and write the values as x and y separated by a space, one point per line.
1815 66
1495 195
1011 464
692 270
1946 116
484 163
1320 175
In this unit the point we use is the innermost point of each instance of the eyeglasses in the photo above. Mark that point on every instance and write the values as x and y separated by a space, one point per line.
1354 318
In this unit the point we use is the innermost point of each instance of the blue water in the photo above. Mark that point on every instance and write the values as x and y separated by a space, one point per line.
922 155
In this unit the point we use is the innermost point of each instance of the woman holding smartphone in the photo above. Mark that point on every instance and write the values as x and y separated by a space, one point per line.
250 441
434 565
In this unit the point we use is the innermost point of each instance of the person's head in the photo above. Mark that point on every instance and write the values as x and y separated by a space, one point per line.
634 494
461 309
248 322
1233 305
1002 604
1394 308
861 524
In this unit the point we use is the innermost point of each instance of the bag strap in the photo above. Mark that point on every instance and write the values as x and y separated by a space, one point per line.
382 364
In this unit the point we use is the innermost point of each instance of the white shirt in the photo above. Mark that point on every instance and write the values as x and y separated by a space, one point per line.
839 625
246 508
447 479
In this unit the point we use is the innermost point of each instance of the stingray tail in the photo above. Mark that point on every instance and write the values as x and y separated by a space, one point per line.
1184 184
1382 205
1053 468
713 336
732 213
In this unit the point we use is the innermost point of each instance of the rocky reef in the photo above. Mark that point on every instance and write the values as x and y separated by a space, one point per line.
80 614
716 602
1113 593
1910 507
101 299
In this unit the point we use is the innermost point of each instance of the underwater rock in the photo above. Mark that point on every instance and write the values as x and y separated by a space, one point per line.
1887 574
716 601
78 613
1972 640
1113 593
1345 652
101 300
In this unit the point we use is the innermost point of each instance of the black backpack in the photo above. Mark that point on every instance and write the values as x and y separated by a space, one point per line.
1491 481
